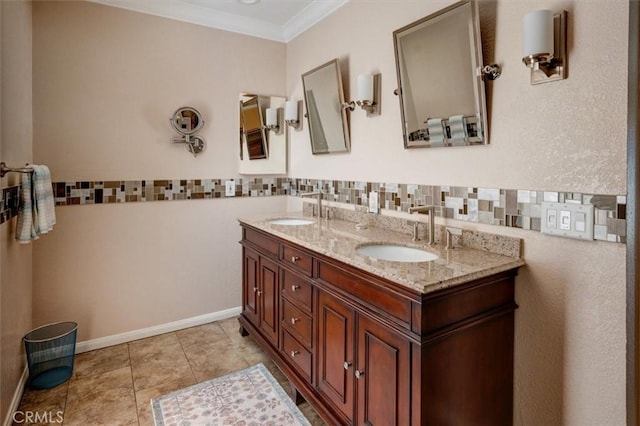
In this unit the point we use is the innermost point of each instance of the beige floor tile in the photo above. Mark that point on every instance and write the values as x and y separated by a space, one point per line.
107 398
201 335
101 361
156 347
143 397
46 404
151 374
213 360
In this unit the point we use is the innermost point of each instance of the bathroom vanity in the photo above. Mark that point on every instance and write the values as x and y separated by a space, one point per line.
369 341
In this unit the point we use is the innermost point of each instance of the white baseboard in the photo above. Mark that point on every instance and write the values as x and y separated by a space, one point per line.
116 339
17 397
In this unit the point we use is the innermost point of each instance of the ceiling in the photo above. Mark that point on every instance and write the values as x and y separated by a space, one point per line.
279 20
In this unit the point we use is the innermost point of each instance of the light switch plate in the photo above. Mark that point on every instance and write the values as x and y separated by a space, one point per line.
374 203
230 188
567 220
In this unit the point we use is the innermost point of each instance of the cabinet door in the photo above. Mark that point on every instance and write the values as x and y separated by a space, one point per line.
335 353
250 274
268 299
383 376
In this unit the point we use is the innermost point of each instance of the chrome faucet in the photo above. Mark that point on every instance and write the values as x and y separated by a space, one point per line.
431 211
313 194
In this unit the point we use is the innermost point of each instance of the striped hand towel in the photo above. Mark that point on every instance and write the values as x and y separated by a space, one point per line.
25 229
36 214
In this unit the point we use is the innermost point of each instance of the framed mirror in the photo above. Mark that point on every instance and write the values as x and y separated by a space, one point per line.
252 128
440 86
327 119
263 148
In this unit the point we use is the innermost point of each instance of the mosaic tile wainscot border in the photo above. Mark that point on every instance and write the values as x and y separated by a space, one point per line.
517 208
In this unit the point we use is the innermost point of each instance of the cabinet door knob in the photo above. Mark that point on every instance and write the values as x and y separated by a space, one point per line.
255 289
294 353
359 373
294 320
259 293
294 259
295 287
347 364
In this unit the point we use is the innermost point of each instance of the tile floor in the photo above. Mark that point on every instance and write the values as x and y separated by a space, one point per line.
114 385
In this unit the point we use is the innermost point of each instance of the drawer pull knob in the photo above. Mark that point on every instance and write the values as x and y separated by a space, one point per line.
295 287
347 364
359 374
294 259
294 353
294 320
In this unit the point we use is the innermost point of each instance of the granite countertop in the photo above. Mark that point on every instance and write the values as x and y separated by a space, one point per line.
339 240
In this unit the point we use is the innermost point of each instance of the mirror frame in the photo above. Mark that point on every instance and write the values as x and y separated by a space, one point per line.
343 113
480 102
263 140
175 121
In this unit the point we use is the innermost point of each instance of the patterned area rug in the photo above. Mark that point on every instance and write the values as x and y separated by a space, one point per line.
248 397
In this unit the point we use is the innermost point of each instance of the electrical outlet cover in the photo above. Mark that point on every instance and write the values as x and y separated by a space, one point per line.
567 220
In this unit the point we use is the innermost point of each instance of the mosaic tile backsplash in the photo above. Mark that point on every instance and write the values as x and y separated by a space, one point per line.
9 203
516 208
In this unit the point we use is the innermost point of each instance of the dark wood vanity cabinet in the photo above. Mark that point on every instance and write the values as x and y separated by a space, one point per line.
375 363
364 350
260 295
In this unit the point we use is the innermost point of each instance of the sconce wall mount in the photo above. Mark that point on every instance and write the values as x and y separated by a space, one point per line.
550 63
273 120
369 94
291 114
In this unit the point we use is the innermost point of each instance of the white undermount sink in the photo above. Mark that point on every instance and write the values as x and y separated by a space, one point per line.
396 253
290 221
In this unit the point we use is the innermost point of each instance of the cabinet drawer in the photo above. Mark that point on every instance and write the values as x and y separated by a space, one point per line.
297 322
296 289
297 354
300 260
388 303
261 240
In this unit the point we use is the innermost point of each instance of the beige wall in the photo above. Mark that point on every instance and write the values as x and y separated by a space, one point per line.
15 149
564 136
106 82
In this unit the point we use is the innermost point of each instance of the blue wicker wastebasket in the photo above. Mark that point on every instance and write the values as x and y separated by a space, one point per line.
50 352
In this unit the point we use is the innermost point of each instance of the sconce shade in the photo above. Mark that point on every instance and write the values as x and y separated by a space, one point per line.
365 87
538 33
272 117
291 111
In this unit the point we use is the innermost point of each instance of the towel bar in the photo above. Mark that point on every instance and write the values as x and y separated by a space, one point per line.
4 169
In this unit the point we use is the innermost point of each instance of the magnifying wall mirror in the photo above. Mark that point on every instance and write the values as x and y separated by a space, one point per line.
188 121
324 96
440 88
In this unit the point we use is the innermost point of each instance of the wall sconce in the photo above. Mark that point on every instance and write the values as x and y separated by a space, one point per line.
369 93
545 45
291 114
272 122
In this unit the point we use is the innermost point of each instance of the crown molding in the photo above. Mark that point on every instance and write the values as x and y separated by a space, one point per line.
308 17
192 13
